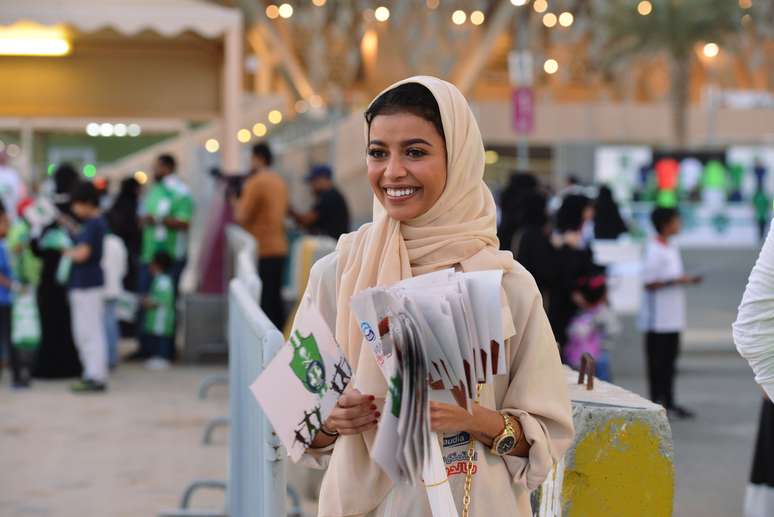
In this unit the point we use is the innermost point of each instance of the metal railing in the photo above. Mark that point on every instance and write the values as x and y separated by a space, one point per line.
257 481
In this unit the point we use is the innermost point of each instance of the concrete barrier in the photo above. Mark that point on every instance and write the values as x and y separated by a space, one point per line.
622 461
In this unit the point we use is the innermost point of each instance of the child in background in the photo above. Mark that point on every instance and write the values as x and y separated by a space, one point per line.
114 266
86 283
25 324
159 318
662 317
590 329
6 286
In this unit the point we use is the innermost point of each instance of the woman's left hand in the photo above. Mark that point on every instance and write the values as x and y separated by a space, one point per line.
448 418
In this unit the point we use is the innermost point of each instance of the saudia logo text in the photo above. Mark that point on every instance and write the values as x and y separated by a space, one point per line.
367 331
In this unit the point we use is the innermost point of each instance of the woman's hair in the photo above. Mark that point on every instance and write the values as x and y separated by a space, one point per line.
65 178
533 209
593 286
411 98
569 218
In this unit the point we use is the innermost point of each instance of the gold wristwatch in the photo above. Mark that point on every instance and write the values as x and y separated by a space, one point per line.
507 440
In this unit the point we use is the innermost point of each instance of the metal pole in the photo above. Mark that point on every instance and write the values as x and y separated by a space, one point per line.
522 26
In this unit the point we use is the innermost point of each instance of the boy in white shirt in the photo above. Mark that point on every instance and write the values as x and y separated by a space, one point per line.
662 317
114 265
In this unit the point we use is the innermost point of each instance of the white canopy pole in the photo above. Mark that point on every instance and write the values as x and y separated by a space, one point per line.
232 93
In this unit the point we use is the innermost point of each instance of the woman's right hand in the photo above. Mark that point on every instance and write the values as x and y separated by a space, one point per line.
354 413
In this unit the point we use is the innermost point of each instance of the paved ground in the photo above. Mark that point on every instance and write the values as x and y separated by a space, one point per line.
131 452
713 452
127 453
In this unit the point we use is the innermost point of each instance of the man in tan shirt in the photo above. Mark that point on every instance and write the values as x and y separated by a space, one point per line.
261 210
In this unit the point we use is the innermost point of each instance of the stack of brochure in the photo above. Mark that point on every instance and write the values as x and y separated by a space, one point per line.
434 337
440 331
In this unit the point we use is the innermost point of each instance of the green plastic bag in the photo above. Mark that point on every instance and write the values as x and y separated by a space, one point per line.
25 321
63 270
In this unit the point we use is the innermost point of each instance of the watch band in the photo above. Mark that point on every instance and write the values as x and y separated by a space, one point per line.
507 439
517 429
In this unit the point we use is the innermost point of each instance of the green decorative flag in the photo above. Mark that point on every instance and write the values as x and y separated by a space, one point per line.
296 409
736 175
63 270
25 333
307 363
667 199
714 176
55 239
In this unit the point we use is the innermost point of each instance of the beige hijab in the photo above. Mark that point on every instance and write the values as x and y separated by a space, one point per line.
459 229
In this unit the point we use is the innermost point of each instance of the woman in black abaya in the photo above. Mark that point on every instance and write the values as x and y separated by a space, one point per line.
57 356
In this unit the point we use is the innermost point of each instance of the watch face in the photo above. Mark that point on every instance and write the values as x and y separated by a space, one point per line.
506 445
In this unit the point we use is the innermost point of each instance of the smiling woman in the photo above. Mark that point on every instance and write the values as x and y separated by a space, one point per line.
406 151
431 211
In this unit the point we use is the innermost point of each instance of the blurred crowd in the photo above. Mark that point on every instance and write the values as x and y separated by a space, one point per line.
81 267
551 234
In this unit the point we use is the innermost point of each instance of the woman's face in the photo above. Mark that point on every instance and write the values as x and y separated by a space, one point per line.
406 164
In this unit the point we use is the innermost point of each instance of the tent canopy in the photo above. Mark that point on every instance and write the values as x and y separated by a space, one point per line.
128 17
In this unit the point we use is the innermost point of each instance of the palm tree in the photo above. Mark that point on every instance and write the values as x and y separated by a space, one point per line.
674 28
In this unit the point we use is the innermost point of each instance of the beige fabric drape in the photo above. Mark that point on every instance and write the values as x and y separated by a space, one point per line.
459 230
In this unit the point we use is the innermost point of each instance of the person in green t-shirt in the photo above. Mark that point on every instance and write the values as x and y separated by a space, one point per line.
159 304
165 216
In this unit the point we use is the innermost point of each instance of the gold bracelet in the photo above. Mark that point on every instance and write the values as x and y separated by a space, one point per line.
516 425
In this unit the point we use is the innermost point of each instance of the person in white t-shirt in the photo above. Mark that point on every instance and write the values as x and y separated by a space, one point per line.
114 266
662 317
12 189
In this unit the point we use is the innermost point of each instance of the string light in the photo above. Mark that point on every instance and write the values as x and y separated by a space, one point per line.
120 129
566 19
243 135
433 4
491 157
645 7
259 129
382 14
518 3
141 177
459 17
318 3
549 20
106 129
477 17
133 130
89 170
745 4
540 6
275 116
711 50
212 145
92 129
272 11
551 66
286 11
